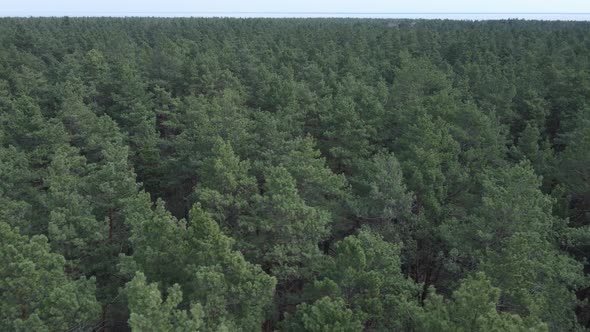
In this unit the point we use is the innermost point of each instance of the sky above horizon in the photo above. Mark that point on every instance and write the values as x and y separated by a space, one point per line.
38 7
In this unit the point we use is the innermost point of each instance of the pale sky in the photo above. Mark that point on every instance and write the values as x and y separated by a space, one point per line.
151 7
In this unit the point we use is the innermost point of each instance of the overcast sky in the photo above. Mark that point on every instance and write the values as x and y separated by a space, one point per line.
35 7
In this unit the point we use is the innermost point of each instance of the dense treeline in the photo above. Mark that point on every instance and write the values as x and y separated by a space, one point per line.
294 175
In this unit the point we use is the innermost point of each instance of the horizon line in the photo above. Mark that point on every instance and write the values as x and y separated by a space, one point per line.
303 12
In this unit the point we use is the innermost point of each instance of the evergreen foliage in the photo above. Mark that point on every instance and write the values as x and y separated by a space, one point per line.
218 174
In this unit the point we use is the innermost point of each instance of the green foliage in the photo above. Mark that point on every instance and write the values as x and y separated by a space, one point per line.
227 188
536 280
16 196
73 230
316 183
471 308
573 169
283 233
324 314
345 136
148 312
36 293
531 146
430 162
515 239
365 272
382 198
198 257
319 174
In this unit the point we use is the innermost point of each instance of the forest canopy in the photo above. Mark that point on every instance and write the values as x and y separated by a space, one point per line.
191 174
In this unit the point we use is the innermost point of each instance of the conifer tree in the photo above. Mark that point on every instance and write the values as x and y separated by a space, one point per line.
148 312
198 257
36 293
